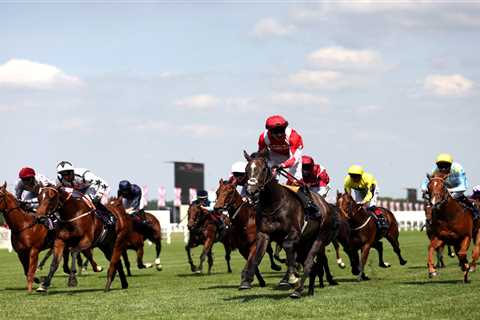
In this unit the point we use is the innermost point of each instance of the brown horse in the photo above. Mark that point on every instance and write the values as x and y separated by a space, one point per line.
451 224
203 231
81 229
242 231
28 238
135 241
364 231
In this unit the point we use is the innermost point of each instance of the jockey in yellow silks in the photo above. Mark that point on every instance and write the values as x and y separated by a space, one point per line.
362 186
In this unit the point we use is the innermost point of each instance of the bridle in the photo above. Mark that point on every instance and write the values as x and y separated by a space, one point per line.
253 197
354 210
3 195
231 205
58 204
198 218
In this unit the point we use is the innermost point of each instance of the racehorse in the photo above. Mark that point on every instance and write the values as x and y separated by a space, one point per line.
81 229
242 231
28 237
364 231
203 231
135 241
452 224
280 217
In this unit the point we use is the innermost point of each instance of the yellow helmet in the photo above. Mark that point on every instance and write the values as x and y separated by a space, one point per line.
355 169
444 157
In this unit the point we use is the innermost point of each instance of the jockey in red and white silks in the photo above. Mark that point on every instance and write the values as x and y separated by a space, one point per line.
28 187
284 144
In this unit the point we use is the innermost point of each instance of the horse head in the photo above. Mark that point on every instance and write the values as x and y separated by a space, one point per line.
225 195
48 200
437 190
3 197
258 173
346 205
195 215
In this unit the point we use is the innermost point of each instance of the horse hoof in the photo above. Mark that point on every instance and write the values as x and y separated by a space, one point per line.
41 289
292 279
451 255
295 295
432 274
472 269
245 286
333 283
262 284
198 272
36 280
275 267
284 285
403 262
364 277
342 265
124 286
99 269
385 265
159 267
148 265
72 282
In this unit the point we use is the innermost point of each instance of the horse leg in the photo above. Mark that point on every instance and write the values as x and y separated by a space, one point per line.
462 250
289 246
66 258
326 268
276 255
340 262
58 247
72 278
475 253
434 244
392 237
257 252
207 247
210 261
378 245
365 251
451 254
80 264
88 254
45 258
140 263
440 263
245 281
316 271
189 255
158 250
32 267
228 252
273 265
316 249
116 264
127 262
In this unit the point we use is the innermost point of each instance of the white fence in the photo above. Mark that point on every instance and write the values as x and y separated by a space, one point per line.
407 220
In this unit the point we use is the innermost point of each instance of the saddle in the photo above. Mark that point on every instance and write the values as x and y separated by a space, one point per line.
309 206
379 218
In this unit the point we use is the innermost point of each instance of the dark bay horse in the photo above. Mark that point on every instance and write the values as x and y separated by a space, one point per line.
242 231
135 241
364 231
451 224
280 217
28 238
203 231
81 229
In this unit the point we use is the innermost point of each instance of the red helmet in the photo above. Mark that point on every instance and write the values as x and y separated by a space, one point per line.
26 172
307 160
276 121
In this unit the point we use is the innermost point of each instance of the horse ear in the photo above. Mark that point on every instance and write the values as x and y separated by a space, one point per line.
247 156
429 176
264 153
221 181
338 194
4 185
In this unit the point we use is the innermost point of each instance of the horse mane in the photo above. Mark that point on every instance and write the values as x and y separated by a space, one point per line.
438 174
261 154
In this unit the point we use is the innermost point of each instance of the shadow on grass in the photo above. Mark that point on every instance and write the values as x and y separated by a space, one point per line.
431 282
187 275
77 291
254 297
225 286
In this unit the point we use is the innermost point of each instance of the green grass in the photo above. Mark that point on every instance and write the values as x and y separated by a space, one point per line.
174 293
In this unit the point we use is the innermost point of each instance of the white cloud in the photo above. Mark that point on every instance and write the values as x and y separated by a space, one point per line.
317 79
199 102
448 85
201 130
270 27
29 74
344 58
194 130
7 108
296 99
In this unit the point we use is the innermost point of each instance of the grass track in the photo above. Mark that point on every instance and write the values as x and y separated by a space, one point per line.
174 293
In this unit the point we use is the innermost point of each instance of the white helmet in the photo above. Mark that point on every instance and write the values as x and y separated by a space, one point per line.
64 166
239 167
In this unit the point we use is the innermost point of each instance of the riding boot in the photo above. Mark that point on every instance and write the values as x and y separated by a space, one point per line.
103 214
47 221
469 205
311 209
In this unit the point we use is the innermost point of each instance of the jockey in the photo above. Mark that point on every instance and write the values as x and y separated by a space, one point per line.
28 187
315 176
456 180
131 195
87 183
284 144
362 186
285 147
239 177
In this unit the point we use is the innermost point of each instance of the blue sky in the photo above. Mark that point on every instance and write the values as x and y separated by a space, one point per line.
123 88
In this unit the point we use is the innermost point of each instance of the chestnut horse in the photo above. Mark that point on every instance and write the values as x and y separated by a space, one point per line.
242 231
452 224
203 231
135 241
364 231
28 238
81 229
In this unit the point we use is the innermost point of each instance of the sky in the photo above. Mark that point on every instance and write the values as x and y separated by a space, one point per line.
124 88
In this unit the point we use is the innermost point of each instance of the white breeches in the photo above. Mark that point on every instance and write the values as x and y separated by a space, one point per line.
322 191
358 196
295 170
